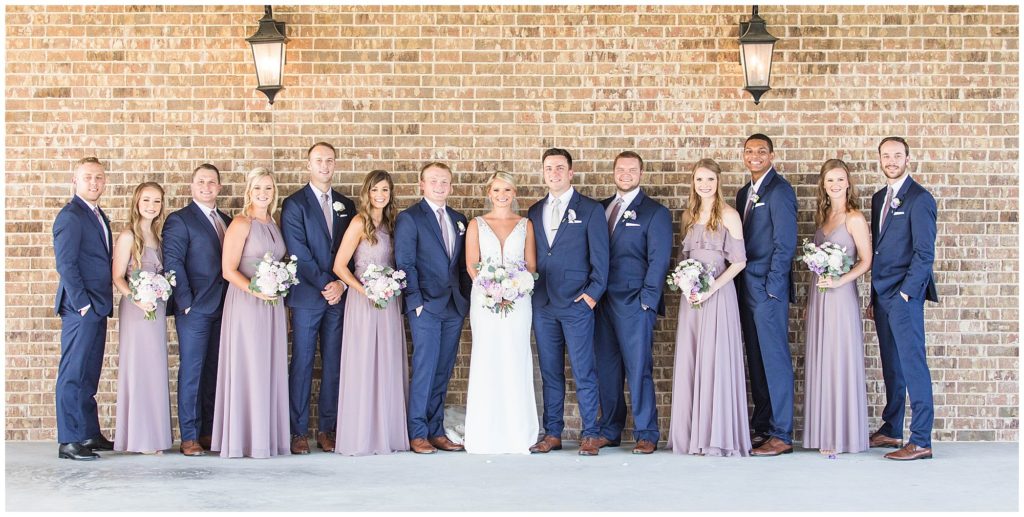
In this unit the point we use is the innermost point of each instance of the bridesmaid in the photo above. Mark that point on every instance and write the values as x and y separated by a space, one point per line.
374 373
835 399
251 410
709 393
143 400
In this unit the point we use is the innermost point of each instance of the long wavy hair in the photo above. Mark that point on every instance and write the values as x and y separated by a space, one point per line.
135 220
507 178
250 179
693 207
388 215
825 202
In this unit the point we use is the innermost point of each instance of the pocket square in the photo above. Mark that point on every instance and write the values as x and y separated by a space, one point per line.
898 213
573 222
632 224
758 204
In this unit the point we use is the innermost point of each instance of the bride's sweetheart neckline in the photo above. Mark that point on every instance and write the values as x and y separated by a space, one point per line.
501 242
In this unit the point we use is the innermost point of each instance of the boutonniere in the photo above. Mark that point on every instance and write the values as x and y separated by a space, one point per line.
339 207
461 227
570 216
895 203
754 198
629 215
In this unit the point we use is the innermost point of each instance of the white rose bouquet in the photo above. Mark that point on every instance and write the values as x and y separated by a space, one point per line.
274 278
382 284
150 287
828 260
504 284
691 277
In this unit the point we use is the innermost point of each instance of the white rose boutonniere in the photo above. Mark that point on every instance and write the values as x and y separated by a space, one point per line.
629 215
461 227
754 198
570 216
339 207
895 203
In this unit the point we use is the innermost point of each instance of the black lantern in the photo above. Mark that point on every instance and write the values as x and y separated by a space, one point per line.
756 47
268 54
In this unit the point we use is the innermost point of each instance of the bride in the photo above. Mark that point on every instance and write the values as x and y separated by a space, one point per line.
501 409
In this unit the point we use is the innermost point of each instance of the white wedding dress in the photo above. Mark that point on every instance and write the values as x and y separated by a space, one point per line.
501 408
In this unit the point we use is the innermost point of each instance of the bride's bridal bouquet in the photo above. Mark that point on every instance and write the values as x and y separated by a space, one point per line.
274 277
149 287
829 260
503 284
382 284
691 277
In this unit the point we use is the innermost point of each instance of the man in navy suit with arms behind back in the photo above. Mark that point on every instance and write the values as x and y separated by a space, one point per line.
903 227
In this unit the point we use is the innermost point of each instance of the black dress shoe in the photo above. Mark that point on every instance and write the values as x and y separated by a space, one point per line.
75 451
758 439
99 443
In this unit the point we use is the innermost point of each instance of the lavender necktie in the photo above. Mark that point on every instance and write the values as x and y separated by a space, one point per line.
614 217
325 205
444 232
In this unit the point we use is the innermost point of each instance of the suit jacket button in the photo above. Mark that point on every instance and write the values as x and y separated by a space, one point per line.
549 253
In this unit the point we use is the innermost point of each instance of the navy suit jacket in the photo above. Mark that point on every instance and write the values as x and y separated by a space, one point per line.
905 247
769 232
306 236
432 276
83 259
641 252
193 251
577 261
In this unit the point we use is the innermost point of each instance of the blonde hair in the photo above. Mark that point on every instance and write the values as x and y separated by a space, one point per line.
507 178
693 207
250 179
388 214
135 221
824 201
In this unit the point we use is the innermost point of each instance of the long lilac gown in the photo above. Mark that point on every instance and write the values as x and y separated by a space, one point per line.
143 399
835 400
251 410
374 372
709 393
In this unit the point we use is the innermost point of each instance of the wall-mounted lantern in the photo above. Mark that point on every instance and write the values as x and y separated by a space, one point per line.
268 54
756 46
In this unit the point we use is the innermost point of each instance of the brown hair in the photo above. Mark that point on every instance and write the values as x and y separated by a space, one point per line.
906 146
439 165
388 215
322 144
825 202
693 207
628 154
135 221
207 166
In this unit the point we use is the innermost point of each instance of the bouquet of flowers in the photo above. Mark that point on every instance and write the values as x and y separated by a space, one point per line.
274 277
149 287
504 284
828 260
382 284
691 277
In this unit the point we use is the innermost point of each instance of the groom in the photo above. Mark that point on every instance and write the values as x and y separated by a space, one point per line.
429 247
572 259
903 226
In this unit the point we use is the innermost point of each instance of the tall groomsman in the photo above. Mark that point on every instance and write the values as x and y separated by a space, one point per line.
903 218
768 208
192 240
313 220
430 248
640 230
85 298
572 259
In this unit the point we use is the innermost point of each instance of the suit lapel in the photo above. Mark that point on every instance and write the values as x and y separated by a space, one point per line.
766 184
574 202
536 215
433 223
336 198
97 227
458 236
204 222
740 205
901 195
635 205
313 210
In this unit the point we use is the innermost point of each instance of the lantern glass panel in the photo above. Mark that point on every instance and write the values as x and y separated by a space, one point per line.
269 58
756 59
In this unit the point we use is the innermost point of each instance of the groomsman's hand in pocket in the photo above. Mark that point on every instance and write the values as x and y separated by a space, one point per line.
586 297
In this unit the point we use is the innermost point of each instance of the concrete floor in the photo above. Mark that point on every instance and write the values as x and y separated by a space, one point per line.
963 476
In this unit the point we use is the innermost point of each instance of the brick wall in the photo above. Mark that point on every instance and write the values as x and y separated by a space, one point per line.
154 91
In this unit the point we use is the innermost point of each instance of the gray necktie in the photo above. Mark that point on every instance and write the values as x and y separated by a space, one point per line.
325 205
614 217
554 219
750 202
103 226
218 225
444 232
885 207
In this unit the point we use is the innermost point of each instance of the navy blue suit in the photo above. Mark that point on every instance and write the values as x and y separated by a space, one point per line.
575 263
641 250
193 251
765 289
904 254
440 284
305 234
83 260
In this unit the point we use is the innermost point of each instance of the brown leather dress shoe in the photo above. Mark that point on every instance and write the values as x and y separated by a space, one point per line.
547 444
910 452
300 445
204 442
421 446
325 441
191 448
589 447
773 447
644 447
603 442
880 440
444 444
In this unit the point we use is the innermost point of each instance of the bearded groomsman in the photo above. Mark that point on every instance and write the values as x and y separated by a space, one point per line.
85 298
767 206
903 216
640 231
192 241
313 220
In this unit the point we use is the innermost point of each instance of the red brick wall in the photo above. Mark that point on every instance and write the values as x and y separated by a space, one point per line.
153 91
